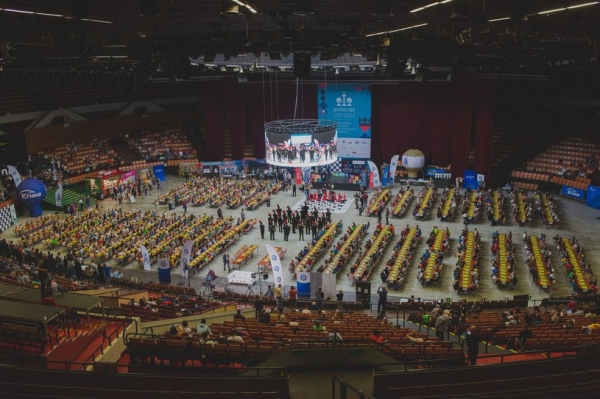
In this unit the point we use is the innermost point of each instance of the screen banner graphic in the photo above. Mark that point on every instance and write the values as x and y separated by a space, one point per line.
348 104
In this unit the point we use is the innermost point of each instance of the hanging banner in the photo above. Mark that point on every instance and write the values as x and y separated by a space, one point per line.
128 178
393 166
58 197
276 264
145 258
159 172
186 252
306 175
348 104
164 270
376 181
15 175
303 284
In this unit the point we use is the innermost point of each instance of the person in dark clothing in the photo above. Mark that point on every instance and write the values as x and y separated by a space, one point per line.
286 232
294 190
262 230
272 231
300 231
381 303
473 339
259 305
524 335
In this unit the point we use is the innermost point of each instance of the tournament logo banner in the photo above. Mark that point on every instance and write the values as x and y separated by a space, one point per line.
349 105
593 197
571 192
164 270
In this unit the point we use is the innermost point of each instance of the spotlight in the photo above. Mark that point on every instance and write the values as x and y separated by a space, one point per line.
229 9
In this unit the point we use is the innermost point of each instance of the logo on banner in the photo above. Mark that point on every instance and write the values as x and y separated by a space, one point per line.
146 258
163 264
274 257
29 194
573 192
303 277
276 268
344 100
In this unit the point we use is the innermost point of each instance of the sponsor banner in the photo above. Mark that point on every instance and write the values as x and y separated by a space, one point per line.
276 265
432 171
348 104
374 178
393 167
159 172
353 166
593 197
470 179
128 177
15 175
186 252
31 193
58 197
145 258
574 193
306 175
164 270
386 176
303 284
13 214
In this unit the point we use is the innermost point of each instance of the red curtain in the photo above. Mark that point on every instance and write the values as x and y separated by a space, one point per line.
484 124
434 117
235 109
214 119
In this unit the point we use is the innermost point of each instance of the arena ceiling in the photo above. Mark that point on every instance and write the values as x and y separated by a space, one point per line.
510 35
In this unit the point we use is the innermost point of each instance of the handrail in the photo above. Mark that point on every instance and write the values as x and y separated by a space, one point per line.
344 386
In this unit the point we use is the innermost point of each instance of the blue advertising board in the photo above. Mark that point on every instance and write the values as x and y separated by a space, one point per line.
593 197
574 193
159 172
470 179
348 104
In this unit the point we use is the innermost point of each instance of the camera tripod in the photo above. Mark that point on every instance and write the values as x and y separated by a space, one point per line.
249 290
207 293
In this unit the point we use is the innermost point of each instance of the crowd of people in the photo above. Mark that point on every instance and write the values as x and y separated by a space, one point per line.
542 257
584 267
546 208
521 207
433 257
401 260
163 145
301 153
494 201
448 203
472 205
503 260
401 201
424 202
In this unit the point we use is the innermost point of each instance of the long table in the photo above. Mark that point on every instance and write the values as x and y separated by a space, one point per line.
245 255
266 261
377 242
577 272
397 267
349 242
539 263
466 273
435 248
502 260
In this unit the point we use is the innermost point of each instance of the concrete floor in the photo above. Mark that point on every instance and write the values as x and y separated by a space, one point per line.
576 220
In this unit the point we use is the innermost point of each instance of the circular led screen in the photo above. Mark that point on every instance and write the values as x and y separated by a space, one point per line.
301 142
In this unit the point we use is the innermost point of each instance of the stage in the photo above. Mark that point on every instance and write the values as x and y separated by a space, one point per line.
340 183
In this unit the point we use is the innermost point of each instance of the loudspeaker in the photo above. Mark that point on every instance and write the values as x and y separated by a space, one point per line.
394 68
266 276
253 275
302 65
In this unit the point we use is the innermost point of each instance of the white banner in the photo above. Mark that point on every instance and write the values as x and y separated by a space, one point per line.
15 175
58 197
163 263
13 214
373 169
186 252
276 264
145 258
393 166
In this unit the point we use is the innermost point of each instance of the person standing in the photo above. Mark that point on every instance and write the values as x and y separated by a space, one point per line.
473 339
226 262
219 213
387 216
262 229
286 232
320 297
278 291
339 297
293 297
381 303
184 206
294 190
259 305
272 231
441 324
300 231
243 215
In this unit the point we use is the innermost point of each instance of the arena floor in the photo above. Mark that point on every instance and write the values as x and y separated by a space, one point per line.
576 220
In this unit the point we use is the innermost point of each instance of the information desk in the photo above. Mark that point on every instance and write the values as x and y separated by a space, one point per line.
241 277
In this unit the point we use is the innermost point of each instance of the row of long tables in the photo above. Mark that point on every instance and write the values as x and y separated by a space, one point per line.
437 246
402 254
466 272
323 242
384 233
540 265
577 270
357 233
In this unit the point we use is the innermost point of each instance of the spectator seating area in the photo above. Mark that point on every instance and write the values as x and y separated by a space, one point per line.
578 155
508 141
77 158
14 101
162 145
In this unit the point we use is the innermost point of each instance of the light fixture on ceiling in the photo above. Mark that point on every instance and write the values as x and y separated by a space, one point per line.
568 8
229 9
45 14
383 8
304 8
397 30
426 6
246 5
499 19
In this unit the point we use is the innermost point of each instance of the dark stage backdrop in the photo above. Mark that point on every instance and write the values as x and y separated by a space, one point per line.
442 119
